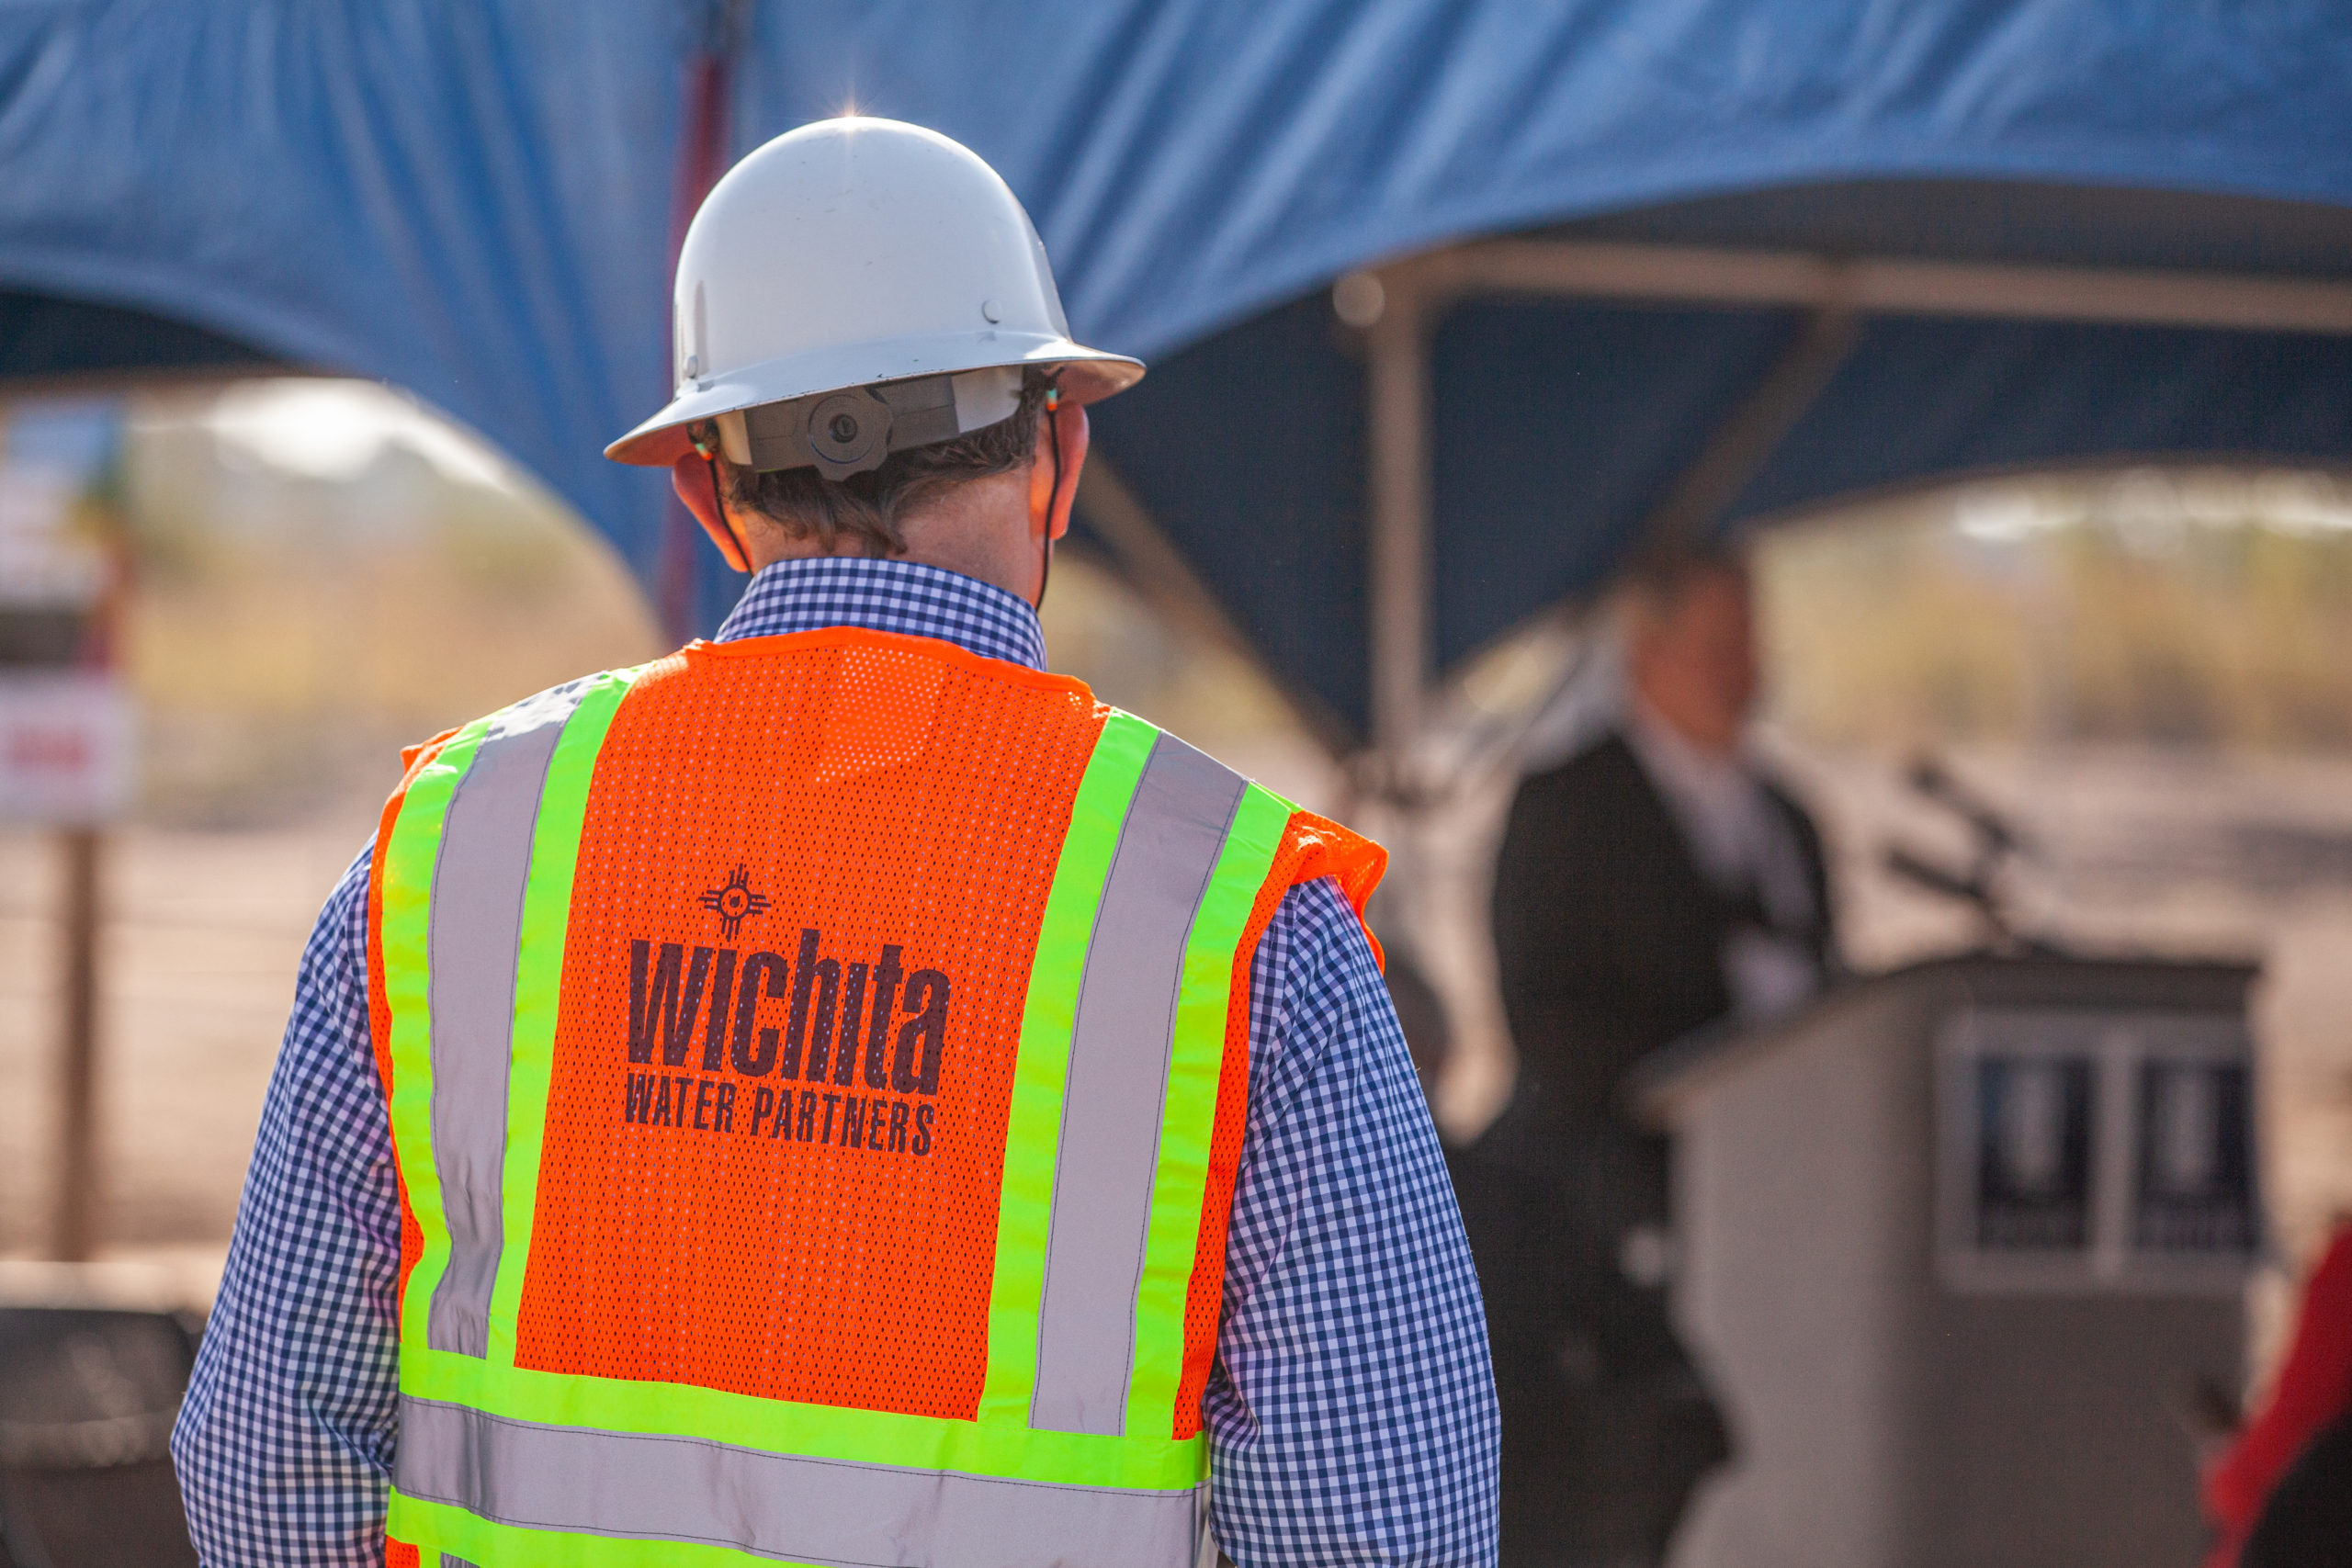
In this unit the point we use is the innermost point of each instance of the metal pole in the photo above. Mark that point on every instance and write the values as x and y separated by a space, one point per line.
703 133
74 1233
1397 348
1740 447
1882 285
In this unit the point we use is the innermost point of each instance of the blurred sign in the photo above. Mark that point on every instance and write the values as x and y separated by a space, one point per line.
2093 1149
2194 1191
2033 1155
67 728
66 748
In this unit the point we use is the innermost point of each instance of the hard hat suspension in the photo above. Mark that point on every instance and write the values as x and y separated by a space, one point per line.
853 431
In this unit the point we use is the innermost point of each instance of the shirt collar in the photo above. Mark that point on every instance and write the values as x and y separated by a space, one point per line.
902 596
1676 762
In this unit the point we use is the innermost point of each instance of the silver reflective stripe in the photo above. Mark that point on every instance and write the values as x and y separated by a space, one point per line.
1118 1075
451 1560
828 1512
476 920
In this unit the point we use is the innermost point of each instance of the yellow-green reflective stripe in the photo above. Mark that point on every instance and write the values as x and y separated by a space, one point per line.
481 874
1120 1053
411 860
539 983
822 1431
1196 1061
1041 1072
686 1487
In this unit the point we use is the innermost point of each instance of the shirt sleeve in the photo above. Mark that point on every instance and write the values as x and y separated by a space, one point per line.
1350 1410
284 1442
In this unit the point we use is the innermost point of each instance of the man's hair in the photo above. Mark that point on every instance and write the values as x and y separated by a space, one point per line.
869 507
1660 579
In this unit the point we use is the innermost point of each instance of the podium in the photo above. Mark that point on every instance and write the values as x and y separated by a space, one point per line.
1952 1241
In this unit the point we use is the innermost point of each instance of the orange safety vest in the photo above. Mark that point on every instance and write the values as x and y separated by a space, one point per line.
816 1068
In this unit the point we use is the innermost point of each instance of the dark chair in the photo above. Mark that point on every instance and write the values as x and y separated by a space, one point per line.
86 1403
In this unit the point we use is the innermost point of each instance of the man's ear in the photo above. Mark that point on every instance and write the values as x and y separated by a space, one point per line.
1069 424
692 477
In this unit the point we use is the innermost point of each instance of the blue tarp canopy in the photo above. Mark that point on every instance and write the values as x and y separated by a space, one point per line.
472 199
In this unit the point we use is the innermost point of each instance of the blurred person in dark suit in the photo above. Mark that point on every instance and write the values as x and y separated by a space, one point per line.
1429 1035
1657 882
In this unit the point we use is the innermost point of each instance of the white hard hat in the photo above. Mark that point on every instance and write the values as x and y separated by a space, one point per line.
859 287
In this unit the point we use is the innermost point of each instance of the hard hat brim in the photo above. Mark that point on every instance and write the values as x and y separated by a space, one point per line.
1088 375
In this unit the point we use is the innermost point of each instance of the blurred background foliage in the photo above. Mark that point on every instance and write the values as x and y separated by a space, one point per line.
2203 608
326 572
301 611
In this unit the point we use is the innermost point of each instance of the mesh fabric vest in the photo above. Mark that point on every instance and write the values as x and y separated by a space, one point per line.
817 1068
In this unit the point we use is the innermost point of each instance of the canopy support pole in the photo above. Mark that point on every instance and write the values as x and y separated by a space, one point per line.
703 133
1738 448
1397 344
1892 284
73 1204
1159 572
1412 293
1397 348
1154 567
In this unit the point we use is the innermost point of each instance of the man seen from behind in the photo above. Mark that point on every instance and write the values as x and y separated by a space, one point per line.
838 1094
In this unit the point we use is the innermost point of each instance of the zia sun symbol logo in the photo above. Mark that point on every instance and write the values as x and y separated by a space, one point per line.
731 901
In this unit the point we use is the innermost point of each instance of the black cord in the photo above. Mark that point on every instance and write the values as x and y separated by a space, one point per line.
1054 435
710 465
726 522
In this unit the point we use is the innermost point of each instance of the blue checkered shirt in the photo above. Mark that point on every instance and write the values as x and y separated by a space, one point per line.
1350 1413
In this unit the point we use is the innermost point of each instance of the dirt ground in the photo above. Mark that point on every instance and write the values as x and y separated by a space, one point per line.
198 957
